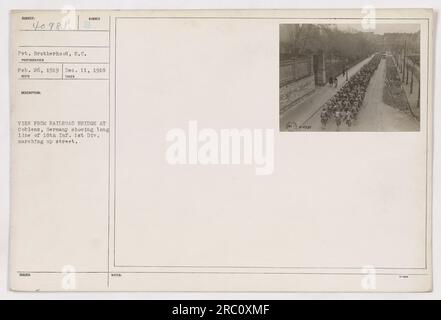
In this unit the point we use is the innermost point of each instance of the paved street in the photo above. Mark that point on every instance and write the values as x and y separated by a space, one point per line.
375 115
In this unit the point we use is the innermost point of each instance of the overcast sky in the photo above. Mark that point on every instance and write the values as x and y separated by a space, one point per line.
381 28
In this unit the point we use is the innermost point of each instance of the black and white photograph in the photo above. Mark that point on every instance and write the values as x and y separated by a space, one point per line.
349 77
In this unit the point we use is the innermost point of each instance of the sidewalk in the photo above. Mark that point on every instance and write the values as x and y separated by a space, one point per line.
307 108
